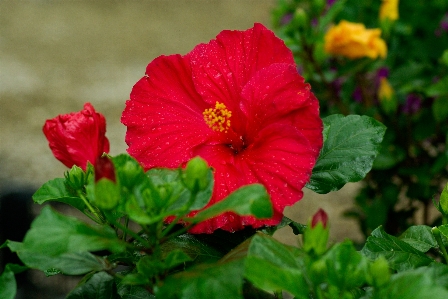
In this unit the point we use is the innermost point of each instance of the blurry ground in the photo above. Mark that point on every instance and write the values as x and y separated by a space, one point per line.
56 55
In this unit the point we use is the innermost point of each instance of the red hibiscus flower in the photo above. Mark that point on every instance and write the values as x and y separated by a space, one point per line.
239 103
77 137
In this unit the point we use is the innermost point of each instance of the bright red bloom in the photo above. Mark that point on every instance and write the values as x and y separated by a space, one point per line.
77 137
239 103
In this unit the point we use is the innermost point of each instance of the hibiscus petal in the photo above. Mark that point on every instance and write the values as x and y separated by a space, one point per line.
279 94
280 158
222 67
164 115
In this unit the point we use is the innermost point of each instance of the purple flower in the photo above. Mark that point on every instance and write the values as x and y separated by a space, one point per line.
412 105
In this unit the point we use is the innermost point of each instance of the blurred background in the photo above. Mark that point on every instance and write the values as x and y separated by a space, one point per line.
57 55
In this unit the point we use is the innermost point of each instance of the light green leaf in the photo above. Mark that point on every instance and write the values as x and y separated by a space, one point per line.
272 266
414 284
59 242
439 88
55 190
348 153
248 200
8 284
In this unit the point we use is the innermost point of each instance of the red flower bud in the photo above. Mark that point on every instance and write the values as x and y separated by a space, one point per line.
77 137
104 168
320 216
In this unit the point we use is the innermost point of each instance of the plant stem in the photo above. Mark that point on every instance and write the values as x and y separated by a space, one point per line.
91 209
133 234
436 233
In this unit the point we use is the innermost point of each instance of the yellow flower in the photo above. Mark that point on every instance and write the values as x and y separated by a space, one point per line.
386 95
389 10
385 90
353 40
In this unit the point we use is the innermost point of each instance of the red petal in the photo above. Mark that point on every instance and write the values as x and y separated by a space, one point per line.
222 67
280 158
164 116
279 94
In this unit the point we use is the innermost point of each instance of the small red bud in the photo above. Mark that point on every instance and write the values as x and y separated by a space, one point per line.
320 216
104 168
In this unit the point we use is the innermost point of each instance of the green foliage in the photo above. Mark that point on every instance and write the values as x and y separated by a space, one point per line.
8 285
351 145
413 106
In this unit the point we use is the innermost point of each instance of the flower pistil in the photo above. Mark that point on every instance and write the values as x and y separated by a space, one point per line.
218 118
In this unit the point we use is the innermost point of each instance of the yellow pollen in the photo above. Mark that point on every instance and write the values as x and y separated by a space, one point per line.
218 118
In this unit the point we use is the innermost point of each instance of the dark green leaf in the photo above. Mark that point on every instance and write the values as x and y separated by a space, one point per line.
400 255
419 237
196 249
207 281
248 200
100 286
348 153
133 292
67 263
55 190
273 266
440 108
297 228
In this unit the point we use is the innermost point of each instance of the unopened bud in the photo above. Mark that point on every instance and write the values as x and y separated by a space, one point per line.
75 178
104 169
300 19
321 217
196 175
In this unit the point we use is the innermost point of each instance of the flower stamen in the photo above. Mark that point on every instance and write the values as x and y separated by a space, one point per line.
218 118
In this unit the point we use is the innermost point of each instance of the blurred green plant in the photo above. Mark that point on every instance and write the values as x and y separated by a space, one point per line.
407 91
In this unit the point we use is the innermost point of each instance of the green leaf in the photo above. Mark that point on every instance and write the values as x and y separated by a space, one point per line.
444 230
272 266
8 284
206 281
348 153
330 15
345 267
57 241
175 258
439 88
297 228
68 234
66 263
99 286
195 248
414 284
133 292
419 237
55 190
440 108
400 255
250 200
